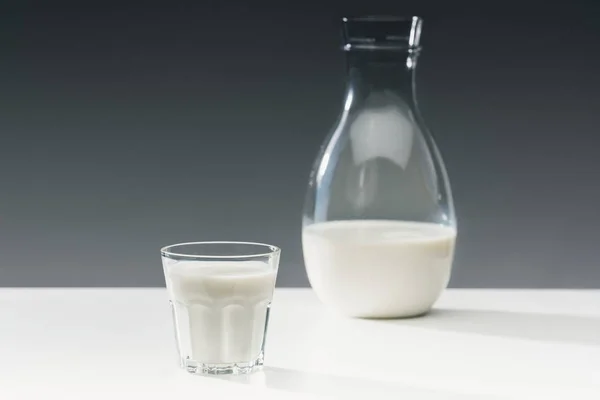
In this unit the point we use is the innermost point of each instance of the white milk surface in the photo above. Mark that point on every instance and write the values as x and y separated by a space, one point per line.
220 308
378 269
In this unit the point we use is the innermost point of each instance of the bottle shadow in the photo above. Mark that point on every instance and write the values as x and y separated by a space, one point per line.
318 384
533 326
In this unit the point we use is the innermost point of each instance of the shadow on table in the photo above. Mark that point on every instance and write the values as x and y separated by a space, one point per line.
544 327
330 385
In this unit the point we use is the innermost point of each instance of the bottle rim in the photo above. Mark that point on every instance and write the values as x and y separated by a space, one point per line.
382 32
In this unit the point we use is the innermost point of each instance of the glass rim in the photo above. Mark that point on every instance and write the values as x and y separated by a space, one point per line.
272 250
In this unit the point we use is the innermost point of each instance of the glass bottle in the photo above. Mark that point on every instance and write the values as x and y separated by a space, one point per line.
378 225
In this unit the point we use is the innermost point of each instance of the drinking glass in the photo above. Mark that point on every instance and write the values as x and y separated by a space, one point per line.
220 295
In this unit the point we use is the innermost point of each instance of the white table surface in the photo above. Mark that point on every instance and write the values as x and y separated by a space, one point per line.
477 344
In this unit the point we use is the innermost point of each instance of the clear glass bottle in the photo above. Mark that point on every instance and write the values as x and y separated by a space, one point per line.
378 225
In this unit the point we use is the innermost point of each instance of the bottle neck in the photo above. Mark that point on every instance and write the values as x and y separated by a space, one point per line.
376 72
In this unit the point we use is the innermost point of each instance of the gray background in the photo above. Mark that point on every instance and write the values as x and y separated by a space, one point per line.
125 127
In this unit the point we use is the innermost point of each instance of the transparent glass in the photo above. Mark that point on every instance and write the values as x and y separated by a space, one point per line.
378 225
220 294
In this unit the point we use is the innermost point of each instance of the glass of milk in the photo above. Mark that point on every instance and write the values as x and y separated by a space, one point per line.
220 295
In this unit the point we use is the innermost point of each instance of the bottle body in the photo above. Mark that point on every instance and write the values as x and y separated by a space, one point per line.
378 227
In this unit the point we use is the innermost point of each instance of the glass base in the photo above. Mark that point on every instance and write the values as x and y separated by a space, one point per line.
238 368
